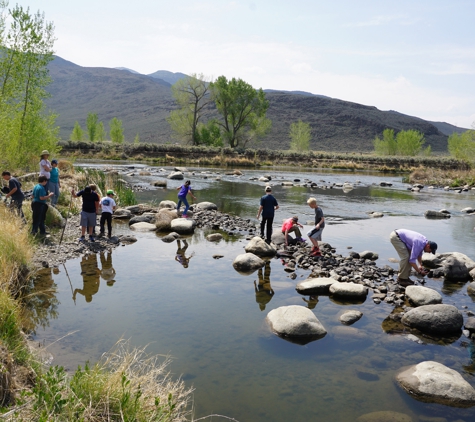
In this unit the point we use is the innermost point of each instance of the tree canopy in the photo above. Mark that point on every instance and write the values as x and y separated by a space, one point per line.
406 142
300 134
243 111
26 48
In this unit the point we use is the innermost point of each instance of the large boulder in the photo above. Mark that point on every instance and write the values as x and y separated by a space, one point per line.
455 266
54 218
144 218
436 214
432 382
434 319
471 288
349 290
315 286
161 183
350 317
247 263
122 213
167 204
163 220
176 175
278 237
214 237
369 255
420 296
296 323
259 247
143 227
183 225
205 206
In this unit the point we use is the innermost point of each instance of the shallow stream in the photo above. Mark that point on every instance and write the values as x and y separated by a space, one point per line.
211 320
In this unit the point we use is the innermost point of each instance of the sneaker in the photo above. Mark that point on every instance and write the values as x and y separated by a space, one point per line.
316 253
101 234
404 282
184 216
300 239
91 239
82 239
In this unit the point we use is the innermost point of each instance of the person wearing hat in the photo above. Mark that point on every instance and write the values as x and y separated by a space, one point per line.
45 165
108 207
410 246
292 225
267 208
53 183
14 191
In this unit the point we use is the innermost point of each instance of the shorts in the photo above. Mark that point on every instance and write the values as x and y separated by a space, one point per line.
317 235
88 219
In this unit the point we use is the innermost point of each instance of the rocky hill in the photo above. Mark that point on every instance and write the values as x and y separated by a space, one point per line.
143 103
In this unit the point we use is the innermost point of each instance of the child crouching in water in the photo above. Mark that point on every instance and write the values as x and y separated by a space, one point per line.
315 235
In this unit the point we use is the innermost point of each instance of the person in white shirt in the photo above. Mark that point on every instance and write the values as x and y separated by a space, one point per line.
108 207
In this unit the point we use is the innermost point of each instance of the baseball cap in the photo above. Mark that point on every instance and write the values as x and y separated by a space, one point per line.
268 189
54 161
110 192
433 246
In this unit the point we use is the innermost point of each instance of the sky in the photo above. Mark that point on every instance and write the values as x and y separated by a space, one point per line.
413 56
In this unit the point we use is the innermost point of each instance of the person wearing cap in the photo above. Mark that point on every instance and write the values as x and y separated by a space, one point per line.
410 246
267 208
14 191
45 166
53 183
90 207
108 206
292 225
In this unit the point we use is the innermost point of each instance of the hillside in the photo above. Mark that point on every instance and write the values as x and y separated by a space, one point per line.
143 103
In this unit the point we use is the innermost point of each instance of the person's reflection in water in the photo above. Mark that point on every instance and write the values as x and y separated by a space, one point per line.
107 270
311 302
263 290
181 253
90 277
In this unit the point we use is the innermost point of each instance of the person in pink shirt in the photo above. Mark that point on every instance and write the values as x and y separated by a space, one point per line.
292 225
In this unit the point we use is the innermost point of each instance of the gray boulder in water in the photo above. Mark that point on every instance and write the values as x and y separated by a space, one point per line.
432 382
436 214
421 296
247 263
434 319
259 247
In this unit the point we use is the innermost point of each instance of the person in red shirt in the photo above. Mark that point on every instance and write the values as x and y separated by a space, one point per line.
292 225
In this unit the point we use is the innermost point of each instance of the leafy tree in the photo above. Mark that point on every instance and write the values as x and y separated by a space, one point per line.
243 110
300 134
26 48
192 96
406 142
77 134
101 132
92 126
137 139
116 131
462 146
209 134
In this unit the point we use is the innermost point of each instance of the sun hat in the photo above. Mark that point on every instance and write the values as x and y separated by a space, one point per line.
44 152
433 246
268 189
110 192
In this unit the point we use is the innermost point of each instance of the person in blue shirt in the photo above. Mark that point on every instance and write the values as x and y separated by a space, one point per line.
39 206
268 206
53 183
184 190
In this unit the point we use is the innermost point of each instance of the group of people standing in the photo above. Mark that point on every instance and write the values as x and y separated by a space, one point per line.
267 208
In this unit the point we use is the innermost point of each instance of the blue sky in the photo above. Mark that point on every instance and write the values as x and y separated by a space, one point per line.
416 57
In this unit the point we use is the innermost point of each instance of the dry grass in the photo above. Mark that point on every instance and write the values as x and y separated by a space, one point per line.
438 177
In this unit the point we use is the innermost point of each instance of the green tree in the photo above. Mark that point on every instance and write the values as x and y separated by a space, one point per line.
137 139
387 145
300 134
92 123
77 134
101 132
26 48
462 146
116 131
209 134
406 143
243 111
192 96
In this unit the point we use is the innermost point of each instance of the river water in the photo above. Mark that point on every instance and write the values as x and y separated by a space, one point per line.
211 319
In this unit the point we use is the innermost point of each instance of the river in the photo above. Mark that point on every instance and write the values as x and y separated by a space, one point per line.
211 320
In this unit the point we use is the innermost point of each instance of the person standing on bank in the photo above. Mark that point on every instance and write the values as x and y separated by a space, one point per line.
184 190
315 235
268 206
108 207
53 183
39 206
15 192
90 207
410 246
45 167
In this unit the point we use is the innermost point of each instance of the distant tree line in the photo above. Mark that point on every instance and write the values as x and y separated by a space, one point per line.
404 143
96 132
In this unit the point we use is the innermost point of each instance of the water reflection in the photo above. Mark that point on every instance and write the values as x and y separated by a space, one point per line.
311 301
181 253
90 277
263 290
107 270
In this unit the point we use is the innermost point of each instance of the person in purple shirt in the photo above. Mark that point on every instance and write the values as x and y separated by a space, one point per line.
184 190
410 246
